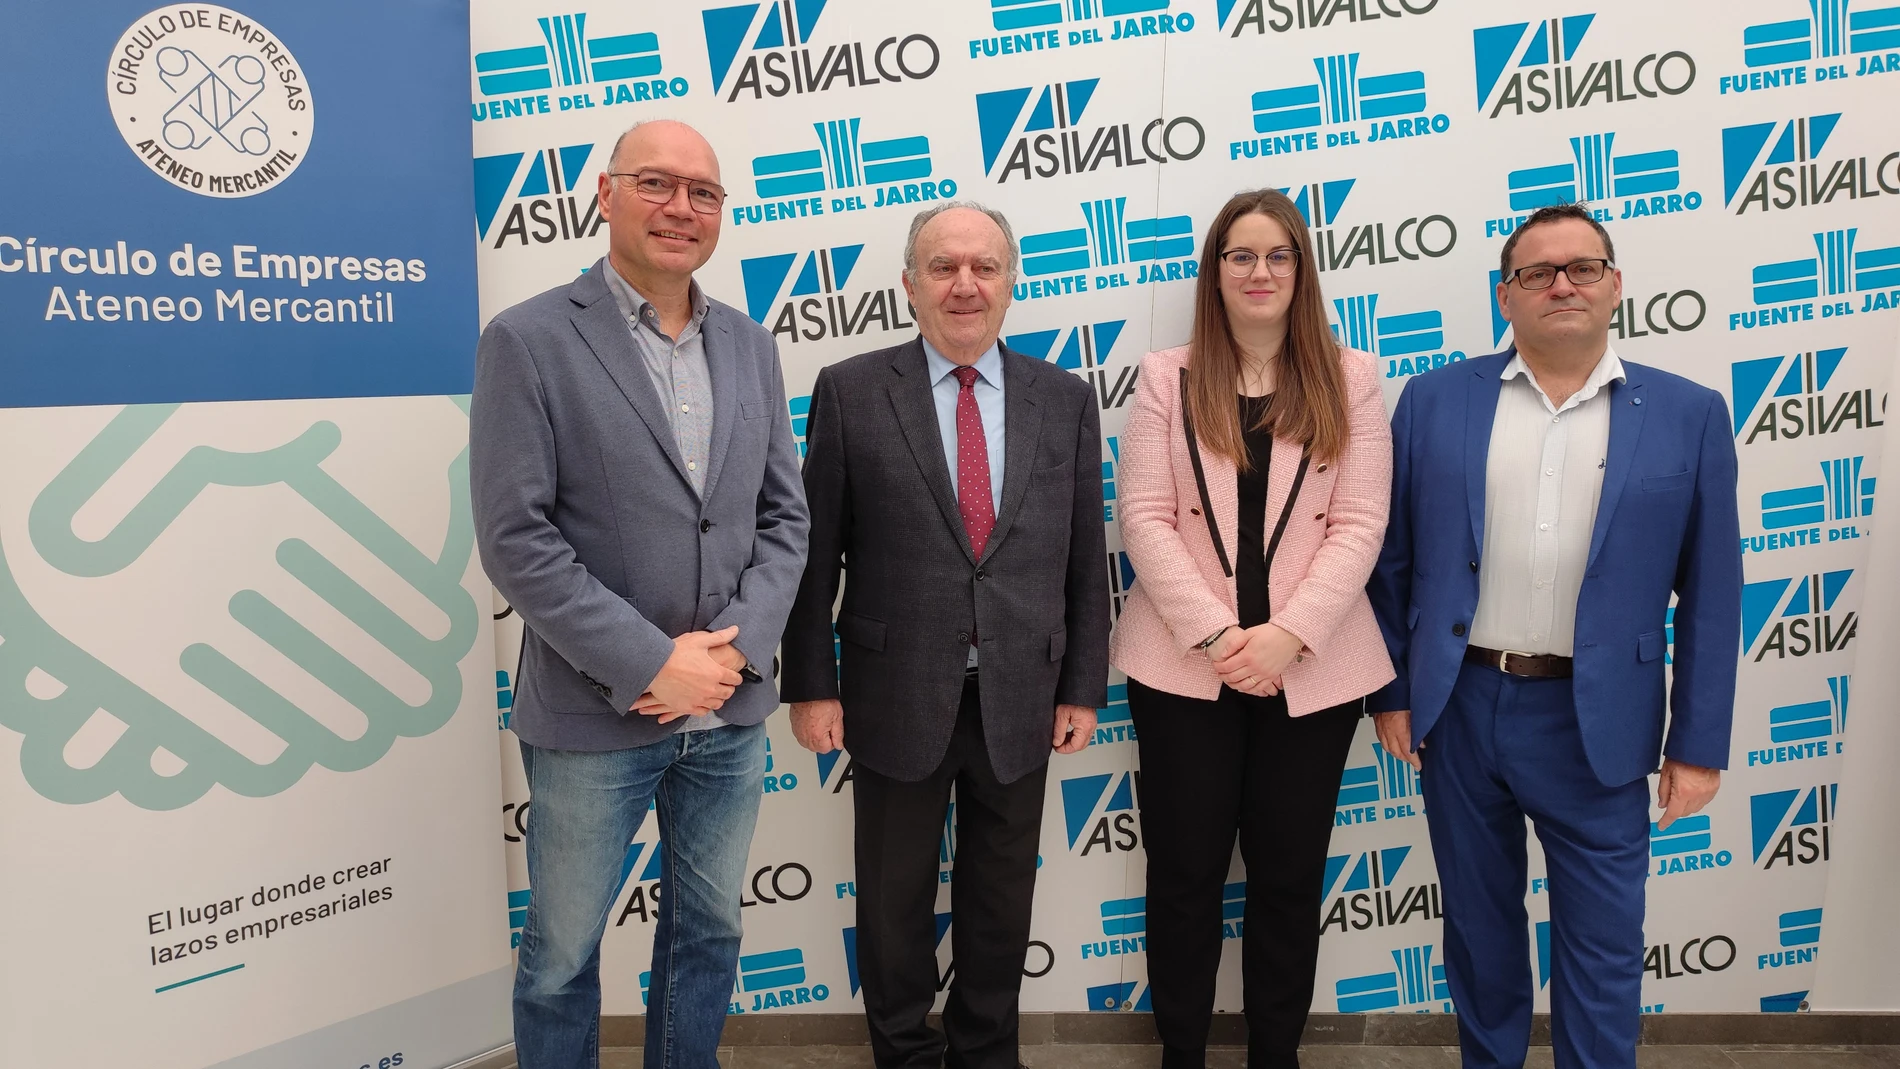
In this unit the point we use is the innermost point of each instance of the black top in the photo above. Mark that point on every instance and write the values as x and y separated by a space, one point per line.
1251 563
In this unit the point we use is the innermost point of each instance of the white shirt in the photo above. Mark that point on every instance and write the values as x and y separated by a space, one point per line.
1543 478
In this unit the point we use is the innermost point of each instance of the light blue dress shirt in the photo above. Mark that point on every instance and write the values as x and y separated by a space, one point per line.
989 403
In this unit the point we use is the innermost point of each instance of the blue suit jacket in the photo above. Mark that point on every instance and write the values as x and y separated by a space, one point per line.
1666 523
588 526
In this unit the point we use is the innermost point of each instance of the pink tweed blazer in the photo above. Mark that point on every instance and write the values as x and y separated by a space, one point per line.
1317 585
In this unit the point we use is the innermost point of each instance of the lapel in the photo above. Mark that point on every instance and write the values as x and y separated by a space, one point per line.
600 324
1223 489
722 366
916 411
1280 468
1626 428
1481 409
1022 429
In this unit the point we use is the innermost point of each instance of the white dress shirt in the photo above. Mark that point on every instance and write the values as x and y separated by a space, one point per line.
1542 481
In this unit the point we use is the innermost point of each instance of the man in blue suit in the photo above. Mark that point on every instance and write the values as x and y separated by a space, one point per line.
1546 502
637 500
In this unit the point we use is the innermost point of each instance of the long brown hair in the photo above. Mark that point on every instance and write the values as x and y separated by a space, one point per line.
1309 391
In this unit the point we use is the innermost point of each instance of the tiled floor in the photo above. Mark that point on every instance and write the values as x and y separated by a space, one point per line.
1084 1056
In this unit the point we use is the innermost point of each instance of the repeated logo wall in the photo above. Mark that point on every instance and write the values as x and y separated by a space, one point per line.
1742 156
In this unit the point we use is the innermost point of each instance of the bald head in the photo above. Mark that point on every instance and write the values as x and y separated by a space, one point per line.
662 136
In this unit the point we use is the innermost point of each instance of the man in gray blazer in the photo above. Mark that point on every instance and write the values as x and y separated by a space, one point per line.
960 485
637 501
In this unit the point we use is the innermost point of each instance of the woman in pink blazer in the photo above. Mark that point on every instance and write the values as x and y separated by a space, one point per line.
1255 475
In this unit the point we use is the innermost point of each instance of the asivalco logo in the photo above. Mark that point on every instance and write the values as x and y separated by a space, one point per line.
782 60
1311 14
1799 616
817 306
1051 140
1539 56
1791 173
1371 244
210 100
552 201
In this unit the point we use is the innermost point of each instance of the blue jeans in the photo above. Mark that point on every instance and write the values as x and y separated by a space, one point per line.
585 807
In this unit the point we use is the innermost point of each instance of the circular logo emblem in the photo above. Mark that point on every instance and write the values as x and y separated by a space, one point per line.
212 101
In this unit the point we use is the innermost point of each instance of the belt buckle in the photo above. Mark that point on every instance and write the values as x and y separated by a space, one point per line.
1504 658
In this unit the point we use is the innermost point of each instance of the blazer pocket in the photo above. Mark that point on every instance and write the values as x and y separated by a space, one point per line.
861 631
1061 473
1058 643
755 409
1667 482
1649 645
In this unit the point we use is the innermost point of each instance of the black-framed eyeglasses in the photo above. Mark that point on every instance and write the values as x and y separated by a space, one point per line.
1580 272
1280 262
658 186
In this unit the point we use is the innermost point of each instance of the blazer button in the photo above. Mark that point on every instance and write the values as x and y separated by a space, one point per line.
981 574
705 525
963 637
1474 565
1322 467
1194 511
1319 515
1458 629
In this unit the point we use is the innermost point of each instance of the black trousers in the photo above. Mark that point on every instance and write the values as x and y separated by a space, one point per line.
1211 770
900 829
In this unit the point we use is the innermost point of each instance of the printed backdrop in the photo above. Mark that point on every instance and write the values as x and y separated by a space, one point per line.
1742 154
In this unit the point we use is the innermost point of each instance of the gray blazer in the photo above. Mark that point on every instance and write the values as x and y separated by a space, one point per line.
883 510
588 527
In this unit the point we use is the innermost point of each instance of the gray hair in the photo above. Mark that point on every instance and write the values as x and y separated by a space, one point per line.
917 225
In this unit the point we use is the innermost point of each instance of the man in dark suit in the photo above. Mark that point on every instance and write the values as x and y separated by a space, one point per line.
960 484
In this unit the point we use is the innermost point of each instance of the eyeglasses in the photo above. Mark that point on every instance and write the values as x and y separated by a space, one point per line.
1280 262
658 187
1544 276
944 270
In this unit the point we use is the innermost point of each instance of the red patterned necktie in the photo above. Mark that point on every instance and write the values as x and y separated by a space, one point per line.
973 465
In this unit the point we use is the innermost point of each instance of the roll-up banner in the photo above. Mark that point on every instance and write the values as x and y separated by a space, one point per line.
247 763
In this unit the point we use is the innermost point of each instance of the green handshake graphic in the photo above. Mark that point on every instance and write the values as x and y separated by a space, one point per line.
131 765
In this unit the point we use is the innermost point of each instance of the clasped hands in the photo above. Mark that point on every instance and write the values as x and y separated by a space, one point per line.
697 678
1252 659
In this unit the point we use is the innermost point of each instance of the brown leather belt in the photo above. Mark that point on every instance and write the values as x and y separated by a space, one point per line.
1510 662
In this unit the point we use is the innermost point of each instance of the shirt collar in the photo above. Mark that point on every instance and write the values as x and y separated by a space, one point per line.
1608 368
989 366
633 306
